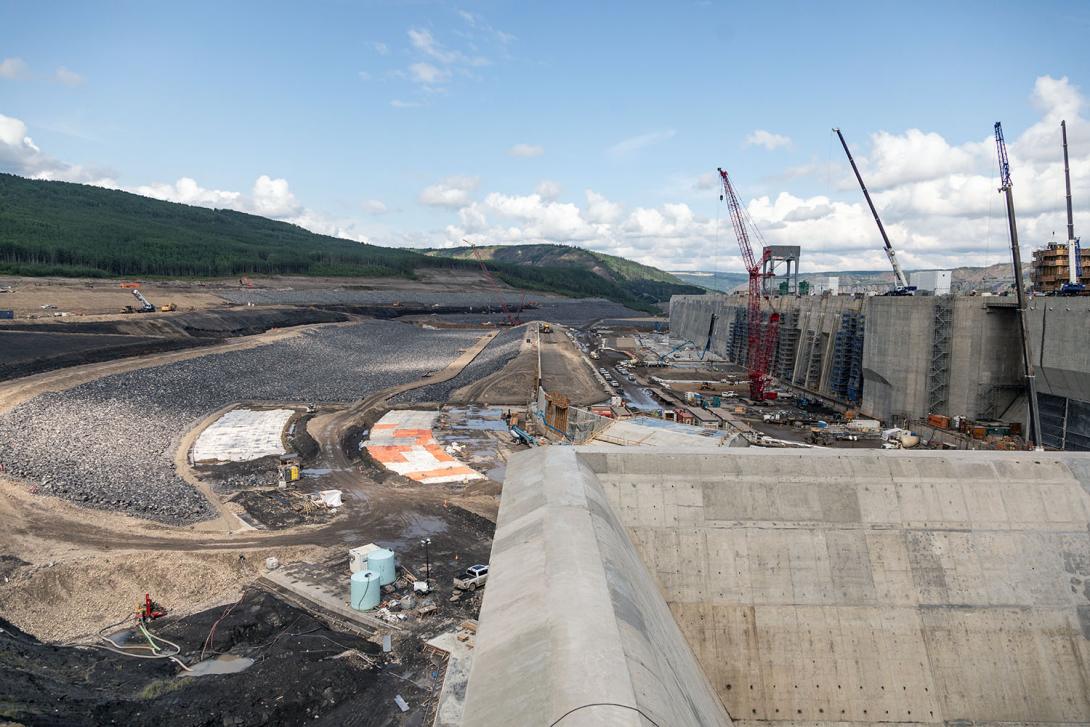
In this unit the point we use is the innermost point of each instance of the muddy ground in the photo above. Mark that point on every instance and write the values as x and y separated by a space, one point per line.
302 672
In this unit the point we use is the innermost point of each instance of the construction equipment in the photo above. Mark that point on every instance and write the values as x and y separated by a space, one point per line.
168 308
900 283
511 318
149 610
1033 431
759 347
145 304
1074 285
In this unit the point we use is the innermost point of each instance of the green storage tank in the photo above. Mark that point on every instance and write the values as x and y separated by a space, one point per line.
366 590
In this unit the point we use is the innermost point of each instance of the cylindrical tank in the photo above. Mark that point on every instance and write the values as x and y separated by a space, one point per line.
381 561
366 590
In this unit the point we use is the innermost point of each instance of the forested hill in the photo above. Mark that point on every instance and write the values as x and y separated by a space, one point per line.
76 230
634 276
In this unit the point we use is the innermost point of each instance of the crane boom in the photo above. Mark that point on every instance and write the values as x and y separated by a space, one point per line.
760 343
899 275
1005 188
511 318
1074 249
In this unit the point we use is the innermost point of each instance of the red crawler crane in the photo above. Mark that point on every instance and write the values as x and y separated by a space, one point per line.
511 318
759 347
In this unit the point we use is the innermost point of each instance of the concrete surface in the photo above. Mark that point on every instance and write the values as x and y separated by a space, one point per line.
648 432
450 710
859 586
573 629
242 435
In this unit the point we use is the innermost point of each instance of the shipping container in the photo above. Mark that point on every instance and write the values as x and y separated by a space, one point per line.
7 314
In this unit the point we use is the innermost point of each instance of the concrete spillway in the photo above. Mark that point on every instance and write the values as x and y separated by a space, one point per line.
817 587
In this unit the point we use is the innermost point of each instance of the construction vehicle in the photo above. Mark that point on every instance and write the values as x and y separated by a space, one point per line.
168 308
144 307
474 577
900 282
761 339
546 328
1005 188
1074 285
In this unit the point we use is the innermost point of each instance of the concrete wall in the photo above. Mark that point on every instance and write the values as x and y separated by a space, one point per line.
981 375
573 629
858 586
896 356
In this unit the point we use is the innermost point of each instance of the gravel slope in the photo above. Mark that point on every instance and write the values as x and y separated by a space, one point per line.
109 443
502 348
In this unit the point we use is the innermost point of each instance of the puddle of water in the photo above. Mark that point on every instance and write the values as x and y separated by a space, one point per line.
315 472
121 637
226 664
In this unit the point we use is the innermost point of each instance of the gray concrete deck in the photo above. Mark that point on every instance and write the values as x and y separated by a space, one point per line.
817 587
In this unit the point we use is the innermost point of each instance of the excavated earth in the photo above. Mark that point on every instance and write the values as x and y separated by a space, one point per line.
303 672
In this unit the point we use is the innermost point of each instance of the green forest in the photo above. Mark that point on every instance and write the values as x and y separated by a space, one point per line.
65 229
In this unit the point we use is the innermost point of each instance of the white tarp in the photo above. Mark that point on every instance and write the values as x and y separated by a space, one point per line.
241 435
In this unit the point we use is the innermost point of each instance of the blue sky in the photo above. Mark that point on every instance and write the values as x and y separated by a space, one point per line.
592 123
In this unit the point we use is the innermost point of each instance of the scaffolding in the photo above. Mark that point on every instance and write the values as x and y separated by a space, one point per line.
787 347
846 376
938 372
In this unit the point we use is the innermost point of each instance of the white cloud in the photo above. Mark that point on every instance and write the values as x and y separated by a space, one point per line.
450 192
398 103
381 48
548 189
423 41
273 198
428 74
635 143
14 68
364 75
767 139
600 209
375 207
187 191
20 155
67 77
526 150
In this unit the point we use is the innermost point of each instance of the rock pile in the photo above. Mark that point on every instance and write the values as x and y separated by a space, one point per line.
110 443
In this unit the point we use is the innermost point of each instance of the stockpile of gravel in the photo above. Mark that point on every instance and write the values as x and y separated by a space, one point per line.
500 350
110 443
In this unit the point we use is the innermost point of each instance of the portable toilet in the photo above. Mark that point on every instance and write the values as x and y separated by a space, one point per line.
381 561
366 590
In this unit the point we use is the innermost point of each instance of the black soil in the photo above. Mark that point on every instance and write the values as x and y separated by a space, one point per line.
303 673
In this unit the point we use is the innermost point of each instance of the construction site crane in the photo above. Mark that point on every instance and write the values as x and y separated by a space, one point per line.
900 282
510 318
1005 187
145 304
760 340
1074 285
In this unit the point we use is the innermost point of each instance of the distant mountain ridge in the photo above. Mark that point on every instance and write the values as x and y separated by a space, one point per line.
642 280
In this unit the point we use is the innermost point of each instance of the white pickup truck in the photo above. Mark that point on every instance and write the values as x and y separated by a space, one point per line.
473 578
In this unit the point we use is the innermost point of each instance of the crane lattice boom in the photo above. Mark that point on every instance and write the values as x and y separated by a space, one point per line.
761 341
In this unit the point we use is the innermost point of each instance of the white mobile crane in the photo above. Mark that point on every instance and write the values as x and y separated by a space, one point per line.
900 282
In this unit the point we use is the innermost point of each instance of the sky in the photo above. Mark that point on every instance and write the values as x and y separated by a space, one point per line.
420 124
